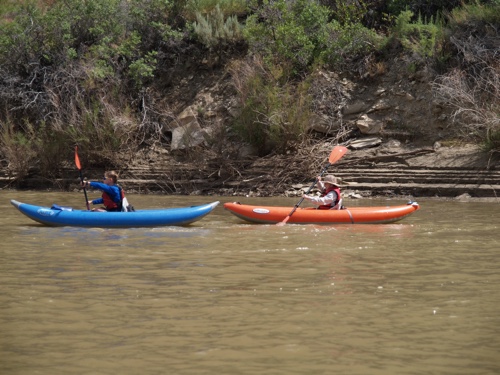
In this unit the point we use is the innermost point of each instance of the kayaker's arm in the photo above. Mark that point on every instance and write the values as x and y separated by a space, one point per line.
112 191
320 184
97 201
100 186
320 201
96 185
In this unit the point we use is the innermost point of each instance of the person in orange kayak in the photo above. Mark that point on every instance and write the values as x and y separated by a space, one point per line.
112 194
330 194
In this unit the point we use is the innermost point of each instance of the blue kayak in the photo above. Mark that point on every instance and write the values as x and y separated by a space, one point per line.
65 216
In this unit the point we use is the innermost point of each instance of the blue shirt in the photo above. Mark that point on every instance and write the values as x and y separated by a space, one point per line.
113 192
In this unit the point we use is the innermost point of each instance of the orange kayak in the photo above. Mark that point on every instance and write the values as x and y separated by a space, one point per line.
349 215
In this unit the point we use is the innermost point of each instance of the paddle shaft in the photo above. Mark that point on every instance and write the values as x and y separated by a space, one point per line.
78 165
85 192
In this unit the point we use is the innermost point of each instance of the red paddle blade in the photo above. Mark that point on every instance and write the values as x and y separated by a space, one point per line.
337 153
77 159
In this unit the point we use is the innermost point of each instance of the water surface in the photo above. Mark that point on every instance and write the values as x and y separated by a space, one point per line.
221 296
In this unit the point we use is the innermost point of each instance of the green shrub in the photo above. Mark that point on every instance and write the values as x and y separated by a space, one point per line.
424 8
21 41
142 70
93 21
28 147
205 7
418 36
293 45
492 140
273 117
16 145
472 88
469 14
65 30
346 43
287 33
102 130
349 12
7 9
215 29
154 21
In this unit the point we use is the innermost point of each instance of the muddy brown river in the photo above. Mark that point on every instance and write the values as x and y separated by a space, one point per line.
420 296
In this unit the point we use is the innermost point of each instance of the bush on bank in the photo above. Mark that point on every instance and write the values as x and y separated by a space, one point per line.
92 72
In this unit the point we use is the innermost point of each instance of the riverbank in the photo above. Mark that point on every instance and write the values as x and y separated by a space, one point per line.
392 169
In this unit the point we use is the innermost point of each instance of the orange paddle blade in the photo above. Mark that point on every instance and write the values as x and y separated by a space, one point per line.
77 159
337 153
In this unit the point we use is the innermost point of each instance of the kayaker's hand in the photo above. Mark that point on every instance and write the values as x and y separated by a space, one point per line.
89 202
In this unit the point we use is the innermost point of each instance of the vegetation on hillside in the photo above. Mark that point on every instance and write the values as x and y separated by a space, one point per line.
92 72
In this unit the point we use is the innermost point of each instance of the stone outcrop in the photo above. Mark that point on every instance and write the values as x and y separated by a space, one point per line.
186 131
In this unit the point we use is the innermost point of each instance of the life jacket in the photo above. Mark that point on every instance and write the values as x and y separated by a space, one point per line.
333 204
110 204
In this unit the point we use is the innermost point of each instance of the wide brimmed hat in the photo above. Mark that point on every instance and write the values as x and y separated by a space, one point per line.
332 180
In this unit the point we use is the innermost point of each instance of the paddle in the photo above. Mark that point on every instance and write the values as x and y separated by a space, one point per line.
78 165
336 154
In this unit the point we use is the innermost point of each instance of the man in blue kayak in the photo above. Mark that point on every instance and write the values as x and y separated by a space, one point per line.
112 194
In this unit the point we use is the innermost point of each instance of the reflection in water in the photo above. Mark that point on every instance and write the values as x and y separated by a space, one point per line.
224 297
